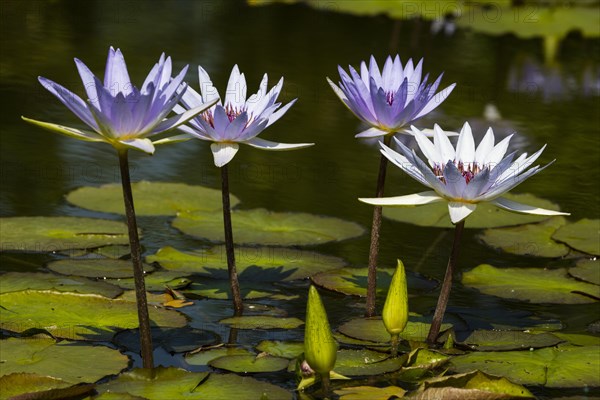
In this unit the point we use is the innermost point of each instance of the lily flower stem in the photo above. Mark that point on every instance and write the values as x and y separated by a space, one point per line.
375 229
440 309
325 383
233 278
394 342
138 270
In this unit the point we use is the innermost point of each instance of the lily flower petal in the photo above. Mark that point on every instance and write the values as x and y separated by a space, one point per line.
65 130
416 199
459 211
371 133
223 152
144 145
524 208
275 146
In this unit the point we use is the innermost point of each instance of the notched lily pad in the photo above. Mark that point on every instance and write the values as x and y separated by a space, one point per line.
156 281
485 216
370 393
18 281
151 198
49 234
96 267
262 322
353 281
250 363
261 264
365 363
583 235
204 357
531 284
530 240
279 348
173 340
373 330
76 316
509 340
587 270
221 290
260 226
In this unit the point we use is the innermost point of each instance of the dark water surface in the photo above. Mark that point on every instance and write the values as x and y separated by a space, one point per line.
304 46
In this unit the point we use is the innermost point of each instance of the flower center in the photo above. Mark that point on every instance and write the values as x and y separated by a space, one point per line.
467 170
232 112
389 97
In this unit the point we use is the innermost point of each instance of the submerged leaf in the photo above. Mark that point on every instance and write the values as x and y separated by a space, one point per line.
583 235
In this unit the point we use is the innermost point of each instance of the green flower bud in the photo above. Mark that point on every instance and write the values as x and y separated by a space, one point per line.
320 348
395 310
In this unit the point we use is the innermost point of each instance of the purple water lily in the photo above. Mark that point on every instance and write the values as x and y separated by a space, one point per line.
388 100
119 113
237 119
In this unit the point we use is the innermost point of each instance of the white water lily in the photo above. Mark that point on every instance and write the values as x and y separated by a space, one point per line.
463 176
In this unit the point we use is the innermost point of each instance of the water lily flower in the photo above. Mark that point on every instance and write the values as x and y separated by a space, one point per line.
390 99
119 113
236 120
463 176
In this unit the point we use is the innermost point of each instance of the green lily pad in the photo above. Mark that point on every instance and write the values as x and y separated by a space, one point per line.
250 363
530 240
485 216
587 270
365 362
373 330
23 382
353 281
370 393
151 198
206 356
583 235
509 340
472 385
565 366
578 339
261 264
260 226
262 322
156 281
68 361
18 281
531 284
221 290
49 234
421 362
279 348
173 383
113 251
96 267
76 316
173 340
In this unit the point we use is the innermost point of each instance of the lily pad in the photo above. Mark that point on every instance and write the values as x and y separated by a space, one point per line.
279 348
173 340
49 234
151 198
204 357
587 270
156 281
113 251
530 240
583 235
260 226
262 322
373 330
578 339
76 316
18 281
250 363
420 362
353 281
565 366
370 393
472 385
365 363
509 340
68 361
173 383
96 267
23 382
219 289
261 264
531 284
485 216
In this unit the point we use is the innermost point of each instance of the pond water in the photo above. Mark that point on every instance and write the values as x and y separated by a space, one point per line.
304 45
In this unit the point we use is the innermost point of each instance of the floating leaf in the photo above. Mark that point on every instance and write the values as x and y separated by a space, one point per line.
262 322
18 281
261 264
279 348
531 284
173 383
217 289
583 235
205 356
509 340
49 234
365 362
530 240
173 340
353 281
587 270
485 216
577 339
370 393
76 316
472 385
260 226
151 198
565 366
23 382
68 361
250 363
373 330
96 267
113 251
420 362
156 281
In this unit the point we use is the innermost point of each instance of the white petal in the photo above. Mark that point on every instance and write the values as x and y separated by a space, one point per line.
337 90
441 141
429 150
223 152
144 145
524 208
209 92
415 199
498 152
279 113
371 133
234 92
465 148
174 139
485 147
459 211
275 146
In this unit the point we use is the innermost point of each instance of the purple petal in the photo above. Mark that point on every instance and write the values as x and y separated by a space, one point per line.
71 100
